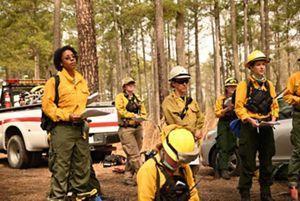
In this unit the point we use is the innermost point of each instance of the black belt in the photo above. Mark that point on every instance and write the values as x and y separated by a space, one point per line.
266 119
70 123
130 126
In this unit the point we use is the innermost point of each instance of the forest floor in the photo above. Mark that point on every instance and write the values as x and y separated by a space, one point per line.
33 185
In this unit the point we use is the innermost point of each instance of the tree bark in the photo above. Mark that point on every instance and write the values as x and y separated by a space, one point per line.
161 64
119 66
155 96
246 44
217 49
262 26
87 43
56 33
145 67
267 37
197 62
234 40
180 53
56 25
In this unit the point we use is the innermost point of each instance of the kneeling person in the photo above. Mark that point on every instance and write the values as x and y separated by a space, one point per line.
167 176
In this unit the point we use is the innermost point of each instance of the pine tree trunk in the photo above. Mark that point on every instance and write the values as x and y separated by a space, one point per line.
262 26
118 45
87 43
197 63
234 40
155 89
217 56
146 80
56 33
267 37
140 84
246 44
56 25
161 64
180 53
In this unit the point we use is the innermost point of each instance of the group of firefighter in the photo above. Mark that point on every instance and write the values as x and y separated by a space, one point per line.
171 173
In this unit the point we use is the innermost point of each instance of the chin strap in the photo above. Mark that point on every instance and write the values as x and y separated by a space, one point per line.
165 163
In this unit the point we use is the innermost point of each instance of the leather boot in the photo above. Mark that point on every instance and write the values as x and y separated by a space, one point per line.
225 174
265 193
245 195
266 197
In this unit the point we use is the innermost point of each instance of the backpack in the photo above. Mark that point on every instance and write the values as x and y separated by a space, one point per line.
259 101
174 189
249 85
46 122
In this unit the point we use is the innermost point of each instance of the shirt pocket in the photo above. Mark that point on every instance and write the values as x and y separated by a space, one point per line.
85 91
65 95
194 108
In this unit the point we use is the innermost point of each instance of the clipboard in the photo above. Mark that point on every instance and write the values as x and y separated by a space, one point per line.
268 123
93 113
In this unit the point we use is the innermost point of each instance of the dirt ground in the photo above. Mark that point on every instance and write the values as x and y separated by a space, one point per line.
33 185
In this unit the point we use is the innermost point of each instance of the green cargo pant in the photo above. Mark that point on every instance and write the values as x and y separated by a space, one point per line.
226 142
250 142
294 164
132 142
69 161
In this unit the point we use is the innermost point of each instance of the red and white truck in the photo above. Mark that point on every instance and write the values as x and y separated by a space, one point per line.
25 143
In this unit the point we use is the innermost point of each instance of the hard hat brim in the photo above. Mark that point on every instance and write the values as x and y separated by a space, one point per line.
267 60
182 76
131 82
188 157
230 85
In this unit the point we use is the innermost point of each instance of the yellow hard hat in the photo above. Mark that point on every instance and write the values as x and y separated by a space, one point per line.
179 72
231 82
180 145
256 55
127 80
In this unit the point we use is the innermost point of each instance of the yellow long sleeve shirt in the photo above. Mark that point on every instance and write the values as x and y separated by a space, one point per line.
121 102
173 106
72 93
241 99
146 180
292 93
219 112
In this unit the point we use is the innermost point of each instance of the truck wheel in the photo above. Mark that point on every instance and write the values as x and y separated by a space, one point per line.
234 162
17 155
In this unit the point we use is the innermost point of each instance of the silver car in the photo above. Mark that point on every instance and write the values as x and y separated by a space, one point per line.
282 142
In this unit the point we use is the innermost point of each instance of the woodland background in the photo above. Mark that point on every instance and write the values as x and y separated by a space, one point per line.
145 38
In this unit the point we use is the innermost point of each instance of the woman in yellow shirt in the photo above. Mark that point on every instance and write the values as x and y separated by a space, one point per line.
255 102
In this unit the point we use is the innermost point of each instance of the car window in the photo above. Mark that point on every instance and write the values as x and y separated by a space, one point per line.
285 110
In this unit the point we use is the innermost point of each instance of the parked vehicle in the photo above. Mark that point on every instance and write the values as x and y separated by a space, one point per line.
282 142
22 138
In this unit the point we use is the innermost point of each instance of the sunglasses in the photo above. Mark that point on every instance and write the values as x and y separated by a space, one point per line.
182 81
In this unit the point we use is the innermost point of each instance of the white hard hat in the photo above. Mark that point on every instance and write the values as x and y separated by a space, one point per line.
179 72
127 80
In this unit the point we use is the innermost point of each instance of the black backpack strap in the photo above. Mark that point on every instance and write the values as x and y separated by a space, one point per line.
249 85
57 81
188 101
157 194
